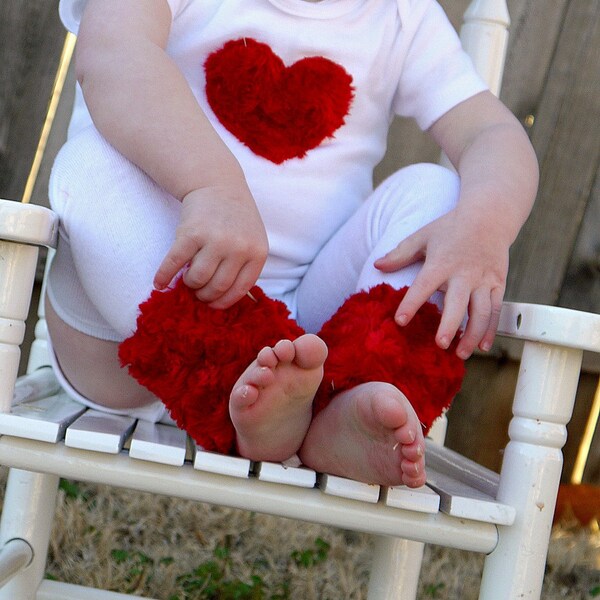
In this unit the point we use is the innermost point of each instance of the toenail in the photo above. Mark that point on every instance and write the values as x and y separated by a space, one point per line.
420 450
396 446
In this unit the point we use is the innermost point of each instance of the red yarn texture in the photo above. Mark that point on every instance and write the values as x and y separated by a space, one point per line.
190 355
279 112
365 344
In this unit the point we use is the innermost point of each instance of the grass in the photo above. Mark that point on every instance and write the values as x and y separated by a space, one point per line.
174 549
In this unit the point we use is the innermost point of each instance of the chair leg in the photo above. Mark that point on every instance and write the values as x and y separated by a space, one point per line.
531 470
28 513
395 570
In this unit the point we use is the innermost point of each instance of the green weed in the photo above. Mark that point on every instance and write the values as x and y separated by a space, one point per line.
432 589
312 556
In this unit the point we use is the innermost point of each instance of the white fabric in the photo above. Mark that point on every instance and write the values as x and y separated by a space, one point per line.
403 56
116 226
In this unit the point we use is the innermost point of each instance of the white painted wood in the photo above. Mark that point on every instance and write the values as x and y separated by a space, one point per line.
531 469
551 325
39 353
484 36
462 501
422 499
17 273
99 431
250 494
28 514
55 590
279 473
27 223
348 488
15 555
22 228
211 462
455 465
158 443
395 569
34 386
45 420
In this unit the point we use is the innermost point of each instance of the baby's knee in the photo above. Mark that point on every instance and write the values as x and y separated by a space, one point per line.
85 164
418 194
428 181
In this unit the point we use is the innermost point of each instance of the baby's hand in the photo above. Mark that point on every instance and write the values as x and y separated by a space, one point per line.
465 257
222 237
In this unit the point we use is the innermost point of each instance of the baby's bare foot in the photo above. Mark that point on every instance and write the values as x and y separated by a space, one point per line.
271 403
369 433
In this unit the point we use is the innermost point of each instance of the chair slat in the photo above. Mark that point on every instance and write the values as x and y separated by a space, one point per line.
159 443
458 499
422 499
234 466
445 460
348 488
44 420
98 431
279 473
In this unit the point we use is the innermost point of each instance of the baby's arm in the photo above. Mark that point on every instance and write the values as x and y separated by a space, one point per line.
142 104
466 251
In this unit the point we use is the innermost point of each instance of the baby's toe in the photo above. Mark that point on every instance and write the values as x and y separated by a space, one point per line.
267 358
285 350
413 452
243 396
413 472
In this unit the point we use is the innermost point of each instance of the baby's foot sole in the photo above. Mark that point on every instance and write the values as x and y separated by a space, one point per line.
271 404
372 434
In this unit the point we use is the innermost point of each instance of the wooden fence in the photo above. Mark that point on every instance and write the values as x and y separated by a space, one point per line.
552 84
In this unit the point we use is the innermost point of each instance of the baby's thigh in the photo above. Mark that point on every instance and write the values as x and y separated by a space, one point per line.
405 202
117 221
93 185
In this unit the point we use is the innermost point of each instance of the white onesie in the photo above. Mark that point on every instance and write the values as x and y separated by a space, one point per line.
399 57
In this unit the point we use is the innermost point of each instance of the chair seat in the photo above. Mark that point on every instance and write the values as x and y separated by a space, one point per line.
99 447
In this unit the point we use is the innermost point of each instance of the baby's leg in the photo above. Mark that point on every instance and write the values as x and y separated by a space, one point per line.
271 403
371 432
401 205
116 224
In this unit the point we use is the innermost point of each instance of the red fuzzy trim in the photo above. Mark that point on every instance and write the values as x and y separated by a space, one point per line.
365 344
279 112
190 355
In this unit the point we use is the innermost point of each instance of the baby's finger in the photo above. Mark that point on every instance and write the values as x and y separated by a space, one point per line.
407 252
245 280
456 302
219 283
181 252
421 290
480 311
201 269
496 297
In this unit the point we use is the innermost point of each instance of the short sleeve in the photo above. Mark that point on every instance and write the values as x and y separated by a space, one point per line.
437 74
71 11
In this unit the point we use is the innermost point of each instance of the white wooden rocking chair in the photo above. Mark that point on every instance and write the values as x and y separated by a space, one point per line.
45 436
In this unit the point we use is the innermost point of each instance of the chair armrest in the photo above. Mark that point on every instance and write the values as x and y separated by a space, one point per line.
550 325
27 223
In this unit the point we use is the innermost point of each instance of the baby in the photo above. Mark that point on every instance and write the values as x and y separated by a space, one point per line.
232 143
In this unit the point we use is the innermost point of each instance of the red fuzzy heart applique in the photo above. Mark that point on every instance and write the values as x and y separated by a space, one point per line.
279 112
